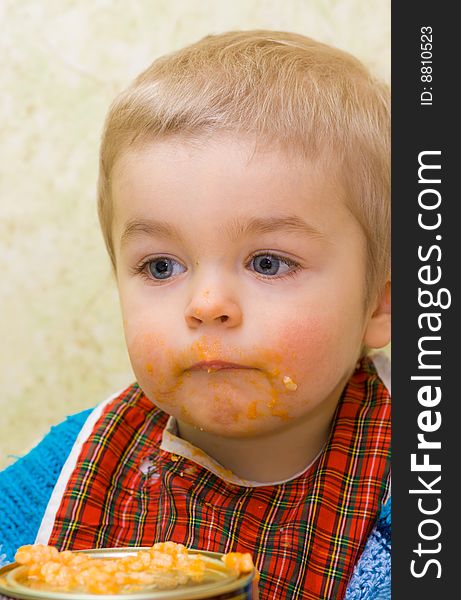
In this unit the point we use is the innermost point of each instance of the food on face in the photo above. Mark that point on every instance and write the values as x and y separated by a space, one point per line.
290 384
164 566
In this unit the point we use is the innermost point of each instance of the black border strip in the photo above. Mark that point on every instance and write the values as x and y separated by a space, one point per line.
425 272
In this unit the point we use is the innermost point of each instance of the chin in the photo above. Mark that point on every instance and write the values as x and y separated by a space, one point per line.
230 427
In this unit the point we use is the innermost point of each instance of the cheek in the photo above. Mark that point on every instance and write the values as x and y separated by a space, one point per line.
151 358
303 340
148 335
311 356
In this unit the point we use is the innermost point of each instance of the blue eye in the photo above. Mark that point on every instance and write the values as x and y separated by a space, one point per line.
163 267
269 264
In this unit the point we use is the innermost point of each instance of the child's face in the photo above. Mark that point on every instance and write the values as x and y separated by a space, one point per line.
252 260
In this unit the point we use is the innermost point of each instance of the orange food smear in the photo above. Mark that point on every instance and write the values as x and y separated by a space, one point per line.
289 383
252 412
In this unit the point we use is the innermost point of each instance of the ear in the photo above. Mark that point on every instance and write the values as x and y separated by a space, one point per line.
378 331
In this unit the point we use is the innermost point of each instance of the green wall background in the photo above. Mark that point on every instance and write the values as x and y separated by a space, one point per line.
62 62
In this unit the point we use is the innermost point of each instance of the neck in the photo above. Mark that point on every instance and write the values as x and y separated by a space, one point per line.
272 457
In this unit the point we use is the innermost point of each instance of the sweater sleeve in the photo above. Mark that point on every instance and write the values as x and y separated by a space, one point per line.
371 579
26 486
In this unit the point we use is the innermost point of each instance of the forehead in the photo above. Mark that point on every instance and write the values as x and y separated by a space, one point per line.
205 182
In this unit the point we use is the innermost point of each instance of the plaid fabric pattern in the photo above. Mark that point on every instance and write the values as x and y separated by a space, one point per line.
305 535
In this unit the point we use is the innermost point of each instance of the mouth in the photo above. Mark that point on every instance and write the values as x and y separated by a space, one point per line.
211 366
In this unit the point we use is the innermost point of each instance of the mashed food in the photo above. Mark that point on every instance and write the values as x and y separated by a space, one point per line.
164 566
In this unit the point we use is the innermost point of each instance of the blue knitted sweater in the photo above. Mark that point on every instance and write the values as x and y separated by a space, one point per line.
26 486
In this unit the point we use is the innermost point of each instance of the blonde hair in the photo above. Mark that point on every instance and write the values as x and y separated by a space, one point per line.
282 88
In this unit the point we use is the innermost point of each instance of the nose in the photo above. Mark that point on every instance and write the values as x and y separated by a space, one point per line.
212 305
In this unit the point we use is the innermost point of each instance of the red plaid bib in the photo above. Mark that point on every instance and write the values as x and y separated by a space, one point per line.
305 535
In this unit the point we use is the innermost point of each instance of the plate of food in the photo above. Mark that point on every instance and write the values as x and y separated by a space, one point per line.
165 571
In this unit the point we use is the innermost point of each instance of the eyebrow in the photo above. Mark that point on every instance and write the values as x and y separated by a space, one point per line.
237 228
150 227
287 223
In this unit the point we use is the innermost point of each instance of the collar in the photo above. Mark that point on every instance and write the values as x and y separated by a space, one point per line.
181 448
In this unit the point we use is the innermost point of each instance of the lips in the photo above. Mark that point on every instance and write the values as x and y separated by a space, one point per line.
216 365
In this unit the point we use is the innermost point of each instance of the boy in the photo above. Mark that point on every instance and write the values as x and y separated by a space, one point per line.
244 202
